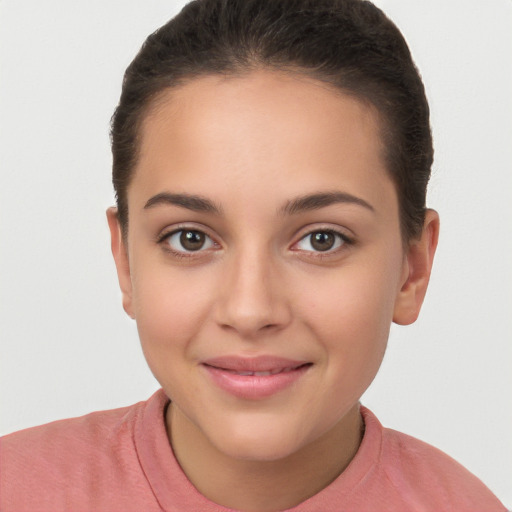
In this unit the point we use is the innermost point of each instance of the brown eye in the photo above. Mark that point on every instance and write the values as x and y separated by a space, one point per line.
189 240
322 241
192 240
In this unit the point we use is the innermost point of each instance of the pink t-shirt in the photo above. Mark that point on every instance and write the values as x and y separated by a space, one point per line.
121 460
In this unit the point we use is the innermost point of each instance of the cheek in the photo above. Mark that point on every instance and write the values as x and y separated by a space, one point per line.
350 312
170 308
351 302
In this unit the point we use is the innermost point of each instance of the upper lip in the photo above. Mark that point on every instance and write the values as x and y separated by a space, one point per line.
263 363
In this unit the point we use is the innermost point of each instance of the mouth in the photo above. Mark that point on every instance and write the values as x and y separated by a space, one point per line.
254 378
262 373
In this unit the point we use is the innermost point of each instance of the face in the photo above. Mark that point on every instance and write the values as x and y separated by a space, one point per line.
264 261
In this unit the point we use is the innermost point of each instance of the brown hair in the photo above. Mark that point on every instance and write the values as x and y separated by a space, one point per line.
350 44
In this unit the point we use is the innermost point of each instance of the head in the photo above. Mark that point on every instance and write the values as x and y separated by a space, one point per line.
271 159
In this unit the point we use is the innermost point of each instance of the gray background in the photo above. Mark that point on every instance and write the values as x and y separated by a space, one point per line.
67 347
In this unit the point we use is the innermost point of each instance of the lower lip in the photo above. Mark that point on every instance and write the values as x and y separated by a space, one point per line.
254 387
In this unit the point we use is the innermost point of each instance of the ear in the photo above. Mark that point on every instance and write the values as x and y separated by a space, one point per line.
416 274
120 253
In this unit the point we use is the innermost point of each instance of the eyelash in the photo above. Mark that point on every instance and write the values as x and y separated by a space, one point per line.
182 254
344 242
343 238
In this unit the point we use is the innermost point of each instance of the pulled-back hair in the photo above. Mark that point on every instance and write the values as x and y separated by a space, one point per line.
350 44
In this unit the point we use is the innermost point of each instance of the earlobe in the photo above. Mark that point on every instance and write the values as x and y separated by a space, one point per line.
417 268
119 251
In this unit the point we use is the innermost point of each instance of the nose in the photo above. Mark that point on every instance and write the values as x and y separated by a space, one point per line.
253 298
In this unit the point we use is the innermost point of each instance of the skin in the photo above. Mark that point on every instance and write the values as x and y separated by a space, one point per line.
251 145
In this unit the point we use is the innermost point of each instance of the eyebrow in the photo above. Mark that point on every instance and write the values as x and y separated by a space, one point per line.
190 202
321 200
300 204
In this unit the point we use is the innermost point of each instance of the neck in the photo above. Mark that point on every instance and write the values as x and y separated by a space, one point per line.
263 486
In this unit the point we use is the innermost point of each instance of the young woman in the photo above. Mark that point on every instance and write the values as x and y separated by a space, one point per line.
271 159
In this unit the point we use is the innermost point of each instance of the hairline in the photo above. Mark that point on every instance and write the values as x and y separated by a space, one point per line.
162 95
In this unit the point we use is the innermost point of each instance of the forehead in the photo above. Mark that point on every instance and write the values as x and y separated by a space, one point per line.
288 131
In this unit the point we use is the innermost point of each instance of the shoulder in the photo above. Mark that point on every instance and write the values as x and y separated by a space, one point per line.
73 436
422 473
67 461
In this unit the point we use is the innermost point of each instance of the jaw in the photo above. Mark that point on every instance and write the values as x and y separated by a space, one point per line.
262 467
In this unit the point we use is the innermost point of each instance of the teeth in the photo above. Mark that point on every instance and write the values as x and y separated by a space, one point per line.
266 373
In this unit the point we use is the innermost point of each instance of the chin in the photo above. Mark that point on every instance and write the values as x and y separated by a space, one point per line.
258 442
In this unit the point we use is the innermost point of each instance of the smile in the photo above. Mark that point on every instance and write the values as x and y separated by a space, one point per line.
254 378
261 374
